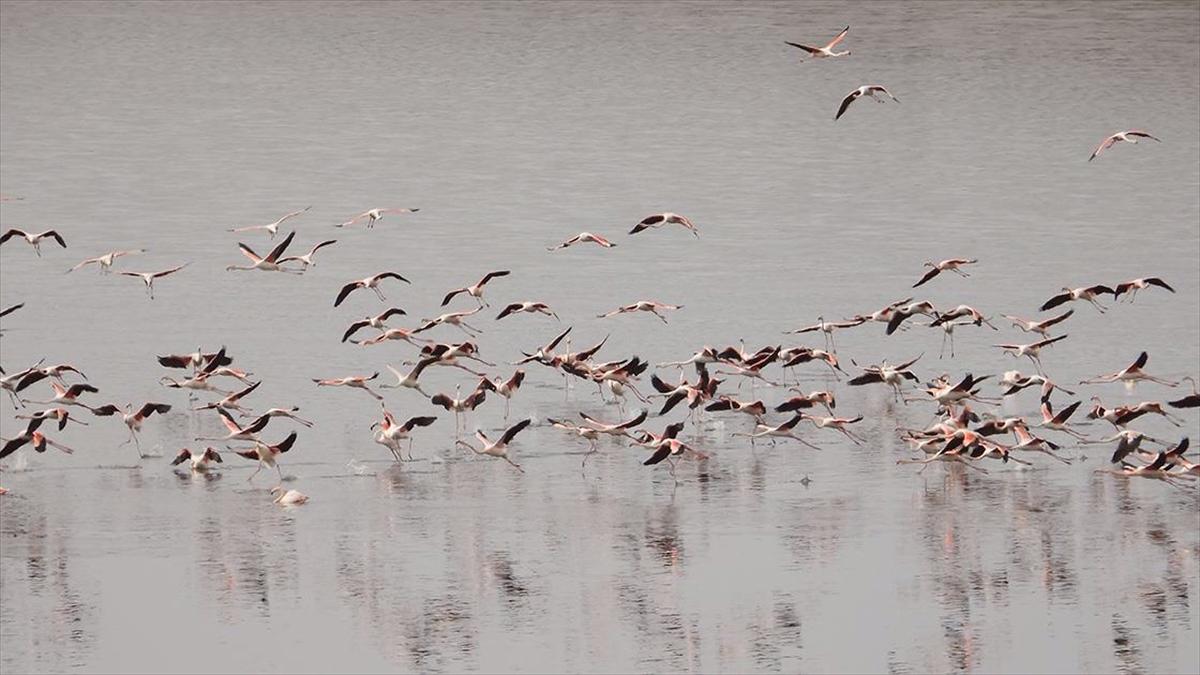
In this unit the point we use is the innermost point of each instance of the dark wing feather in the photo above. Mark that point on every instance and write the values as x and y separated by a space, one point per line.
845 104
659 455
1055 301
278 250
346 290
928 275
514 430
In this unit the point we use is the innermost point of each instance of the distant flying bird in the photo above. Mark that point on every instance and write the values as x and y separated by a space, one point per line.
666 218
1031 350
271 227
827 50
1134 285
950 265
149 277
1130 137
268 264
453 319
306 260
106 261
584 238
475 291
371 282
374 215
868 90
33 239
1130 375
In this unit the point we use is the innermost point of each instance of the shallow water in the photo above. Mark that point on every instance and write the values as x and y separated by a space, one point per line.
514 126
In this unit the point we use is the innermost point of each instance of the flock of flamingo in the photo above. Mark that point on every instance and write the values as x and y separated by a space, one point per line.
961 434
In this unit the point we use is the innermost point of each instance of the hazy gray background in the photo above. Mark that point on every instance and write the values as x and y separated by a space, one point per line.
514 126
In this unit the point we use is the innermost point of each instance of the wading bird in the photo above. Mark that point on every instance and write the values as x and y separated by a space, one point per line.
389 433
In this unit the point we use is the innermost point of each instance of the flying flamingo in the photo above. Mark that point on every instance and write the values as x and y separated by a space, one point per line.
868 90
375 215
1129 136
149 277
34 239
827 50
271 227
476 290
106 261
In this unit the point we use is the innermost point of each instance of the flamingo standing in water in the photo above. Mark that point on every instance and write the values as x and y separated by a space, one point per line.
288 497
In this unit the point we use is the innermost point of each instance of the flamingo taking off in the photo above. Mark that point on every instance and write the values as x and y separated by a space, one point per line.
498 448
200 461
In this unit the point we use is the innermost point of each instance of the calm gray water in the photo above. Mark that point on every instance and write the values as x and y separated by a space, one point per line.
514 126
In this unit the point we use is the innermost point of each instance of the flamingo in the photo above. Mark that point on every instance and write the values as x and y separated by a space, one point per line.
68 395
506 388
498 448
133 420
475 291
390 433
267 455
288 497
232 401
371 282
893 376
34 239
454 319
201 461
289 413
827 327
354 381
827 50
838 424
783 430
33 437
238 432
868 90
1129 136
652 306
1134 285
902 314
375 215
273 228
527 306
805 401
106 261
584 238
1058 422
1040 327
1088 293
409 381
1031 443
1130 375
61 415
948 265
376 321
1192 400
459 405
149 277
1032 350
665 218
306 260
